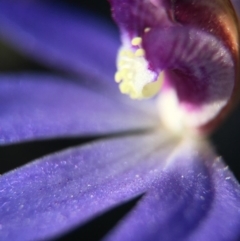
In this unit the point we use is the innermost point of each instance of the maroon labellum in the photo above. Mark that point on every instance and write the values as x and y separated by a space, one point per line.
189 48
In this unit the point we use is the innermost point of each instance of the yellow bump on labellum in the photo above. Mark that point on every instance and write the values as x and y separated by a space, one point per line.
121 63
136 41
130 54
134 77
134 95
153 88
129 75
118 77
140 53
124 88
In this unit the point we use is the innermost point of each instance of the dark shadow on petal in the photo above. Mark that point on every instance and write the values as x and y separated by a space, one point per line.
101 8
97 228
15 61
227 142
16 155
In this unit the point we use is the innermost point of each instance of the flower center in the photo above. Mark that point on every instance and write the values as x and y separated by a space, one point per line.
134 76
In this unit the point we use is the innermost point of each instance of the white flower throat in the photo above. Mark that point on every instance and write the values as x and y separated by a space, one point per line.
134 77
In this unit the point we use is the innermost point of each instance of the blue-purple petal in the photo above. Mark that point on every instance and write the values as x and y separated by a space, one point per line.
42 106
59 37
194 198
55 193
190 194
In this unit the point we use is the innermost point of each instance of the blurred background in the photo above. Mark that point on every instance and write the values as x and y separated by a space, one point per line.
12 60
226 140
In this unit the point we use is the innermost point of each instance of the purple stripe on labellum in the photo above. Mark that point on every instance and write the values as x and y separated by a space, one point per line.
194 67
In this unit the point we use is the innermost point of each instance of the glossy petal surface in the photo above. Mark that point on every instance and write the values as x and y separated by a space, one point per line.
41 106
59 37
194 198
189 193
55 193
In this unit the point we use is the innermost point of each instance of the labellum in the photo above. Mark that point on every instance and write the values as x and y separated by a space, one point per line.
184 51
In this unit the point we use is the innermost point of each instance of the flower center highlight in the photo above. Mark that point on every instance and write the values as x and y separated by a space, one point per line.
134 76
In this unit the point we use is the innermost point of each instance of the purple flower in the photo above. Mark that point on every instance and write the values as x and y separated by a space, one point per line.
188 192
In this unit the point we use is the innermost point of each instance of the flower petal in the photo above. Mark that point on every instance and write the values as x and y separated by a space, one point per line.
41 106
53 194
59 37
194 198
190 194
